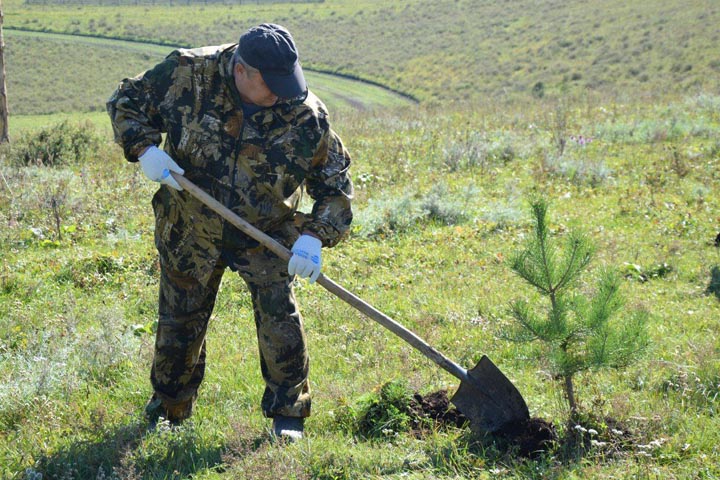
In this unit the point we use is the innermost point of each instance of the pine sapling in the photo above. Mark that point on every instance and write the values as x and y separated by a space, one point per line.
576 332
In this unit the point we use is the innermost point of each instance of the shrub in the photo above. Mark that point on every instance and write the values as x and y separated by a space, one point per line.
479 150
460 154
577 168
60 359
501 214
538 90
666 126
705 104
395 215
387 216
60 144
437 205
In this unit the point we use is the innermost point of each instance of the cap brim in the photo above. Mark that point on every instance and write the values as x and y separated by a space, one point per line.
286 86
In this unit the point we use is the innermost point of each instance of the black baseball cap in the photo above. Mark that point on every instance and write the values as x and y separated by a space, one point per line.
271 49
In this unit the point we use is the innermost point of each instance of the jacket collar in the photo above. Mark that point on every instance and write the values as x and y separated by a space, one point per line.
226 71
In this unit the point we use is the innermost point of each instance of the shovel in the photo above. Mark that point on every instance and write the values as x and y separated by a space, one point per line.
486 397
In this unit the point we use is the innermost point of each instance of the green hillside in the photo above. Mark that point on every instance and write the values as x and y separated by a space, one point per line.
52 73
438 50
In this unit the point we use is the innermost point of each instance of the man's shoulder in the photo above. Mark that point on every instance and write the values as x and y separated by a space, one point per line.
310 112
315 105
200 54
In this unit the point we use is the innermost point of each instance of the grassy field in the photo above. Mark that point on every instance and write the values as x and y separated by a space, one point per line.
78 285
447 50
441 204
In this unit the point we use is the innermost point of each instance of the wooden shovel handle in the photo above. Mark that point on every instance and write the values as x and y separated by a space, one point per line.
343 294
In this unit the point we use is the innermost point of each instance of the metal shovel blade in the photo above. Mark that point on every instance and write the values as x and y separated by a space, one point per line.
489 399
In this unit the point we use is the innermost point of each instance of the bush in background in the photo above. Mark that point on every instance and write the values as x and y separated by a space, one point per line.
399 214
61 144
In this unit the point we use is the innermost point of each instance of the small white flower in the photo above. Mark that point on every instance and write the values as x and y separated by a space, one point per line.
163 425
31 474
592 431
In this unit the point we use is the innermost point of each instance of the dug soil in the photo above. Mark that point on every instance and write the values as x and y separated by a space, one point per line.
531 437
435 406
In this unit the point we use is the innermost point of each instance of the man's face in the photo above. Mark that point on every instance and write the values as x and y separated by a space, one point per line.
252 87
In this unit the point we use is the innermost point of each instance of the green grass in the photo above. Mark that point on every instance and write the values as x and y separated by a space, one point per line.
443 51
76 302
21 124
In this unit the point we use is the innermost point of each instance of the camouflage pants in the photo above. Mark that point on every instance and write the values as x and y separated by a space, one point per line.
185 308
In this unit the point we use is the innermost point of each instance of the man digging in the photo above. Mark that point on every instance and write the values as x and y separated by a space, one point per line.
241 124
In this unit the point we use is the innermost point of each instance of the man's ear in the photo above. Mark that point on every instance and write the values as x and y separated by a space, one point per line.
239 68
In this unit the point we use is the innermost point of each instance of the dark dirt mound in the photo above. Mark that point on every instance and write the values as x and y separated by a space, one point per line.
437 407
529 438
532 437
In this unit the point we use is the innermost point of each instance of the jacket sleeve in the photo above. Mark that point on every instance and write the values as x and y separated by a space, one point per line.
330 186
134 108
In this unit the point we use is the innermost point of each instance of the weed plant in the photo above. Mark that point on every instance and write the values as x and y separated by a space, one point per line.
382 414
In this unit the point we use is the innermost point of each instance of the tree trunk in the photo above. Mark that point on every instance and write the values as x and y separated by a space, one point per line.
570 393
4 137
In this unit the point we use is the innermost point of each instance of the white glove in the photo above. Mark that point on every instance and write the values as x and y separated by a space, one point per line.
306 260
157 165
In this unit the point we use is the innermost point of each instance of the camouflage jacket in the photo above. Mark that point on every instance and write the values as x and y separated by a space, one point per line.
256 166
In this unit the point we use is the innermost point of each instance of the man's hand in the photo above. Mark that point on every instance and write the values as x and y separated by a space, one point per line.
157 165
306 260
